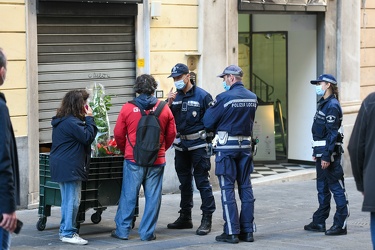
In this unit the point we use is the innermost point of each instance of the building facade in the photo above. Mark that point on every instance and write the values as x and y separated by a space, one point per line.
54 46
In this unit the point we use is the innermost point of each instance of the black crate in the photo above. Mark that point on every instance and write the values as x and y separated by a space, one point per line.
102 189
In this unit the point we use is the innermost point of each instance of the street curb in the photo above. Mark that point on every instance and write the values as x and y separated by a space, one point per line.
300 175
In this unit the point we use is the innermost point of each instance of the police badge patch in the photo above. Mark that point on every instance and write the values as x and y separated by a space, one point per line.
331 118
194 113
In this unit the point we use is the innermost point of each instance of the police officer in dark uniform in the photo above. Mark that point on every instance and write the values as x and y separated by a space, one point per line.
188 106
231 118
327 150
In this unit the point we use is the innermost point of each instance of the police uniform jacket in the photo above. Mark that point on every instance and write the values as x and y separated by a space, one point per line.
327 121
233 111
188 110
362 152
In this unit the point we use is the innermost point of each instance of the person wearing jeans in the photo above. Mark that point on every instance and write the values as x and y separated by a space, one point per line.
134 175
70 200
73 131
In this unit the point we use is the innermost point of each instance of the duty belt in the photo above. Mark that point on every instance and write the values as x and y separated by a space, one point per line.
321 143
200 134
238 138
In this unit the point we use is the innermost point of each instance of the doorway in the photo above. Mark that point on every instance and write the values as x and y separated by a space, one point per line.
263 57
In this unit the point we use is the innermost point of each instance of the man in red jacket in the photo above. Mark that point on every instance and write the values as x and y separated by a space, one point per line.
134 175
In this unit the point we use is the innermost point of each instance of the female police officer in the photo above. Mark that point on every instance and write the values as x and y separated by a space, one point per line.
327 155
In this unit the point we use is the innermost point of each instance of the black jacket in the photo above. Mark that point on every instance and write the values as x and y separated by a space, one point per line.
362 152
71 148
9 170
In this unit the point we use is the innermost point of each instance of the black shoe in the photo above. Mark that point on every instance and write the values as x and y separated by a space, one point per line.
205 226
153 237
233 238
336 230
315 227
114 235
248 237
182 222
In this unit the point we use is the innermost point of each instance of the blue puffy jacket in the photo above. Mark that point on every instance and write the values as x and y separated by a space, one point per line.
71 148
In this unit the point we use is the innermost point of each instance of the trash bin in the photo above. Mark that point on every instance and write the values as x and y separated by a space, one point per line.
102 189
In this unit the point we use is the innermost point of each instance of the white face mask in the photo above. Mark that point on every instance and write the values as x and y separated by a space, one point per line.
180 84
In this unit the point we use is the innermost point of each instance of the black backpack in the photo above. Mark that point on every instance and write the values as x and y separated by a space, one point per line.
147 144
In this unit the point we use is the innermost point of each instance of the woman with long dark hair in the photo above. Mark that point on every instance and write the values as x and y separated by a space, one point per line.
73 132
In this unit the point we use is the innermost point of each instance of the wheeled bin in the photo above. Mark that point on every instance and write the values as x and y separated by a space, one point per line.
102 189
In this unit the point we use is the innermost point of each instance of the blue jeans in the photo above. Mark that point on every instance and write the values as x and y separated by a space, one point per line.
372 228
4 239
70 199
151 179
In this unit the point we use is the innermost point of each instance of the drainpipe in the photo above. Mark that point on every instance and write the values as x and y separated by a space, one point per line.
201 16
339 41
146 36
227 31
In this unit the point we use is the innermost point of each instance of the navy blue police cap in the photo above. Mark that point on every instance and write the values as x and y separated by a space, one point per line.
324 78
232 70
179 69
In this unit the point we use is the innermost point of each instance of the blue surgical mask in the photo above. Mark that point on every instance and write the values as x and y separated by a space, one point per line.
225 86
180 84
319 90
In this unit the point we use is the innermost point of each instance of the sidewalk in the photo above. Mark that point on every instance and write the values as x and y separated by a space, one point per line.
284 204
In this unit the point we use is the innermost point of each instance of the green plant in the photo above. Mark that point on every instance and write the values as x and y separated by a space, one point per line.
100 104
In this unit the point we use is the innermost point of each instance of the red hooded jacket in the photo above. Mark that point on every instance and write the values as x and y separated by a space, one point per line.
127 123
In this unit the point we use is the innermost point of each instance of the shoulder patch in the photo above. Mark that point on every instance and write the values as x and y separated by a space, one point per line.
331 118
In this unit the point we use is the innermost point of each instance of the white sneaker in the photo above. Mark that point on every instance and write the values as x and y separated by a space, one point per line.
74 240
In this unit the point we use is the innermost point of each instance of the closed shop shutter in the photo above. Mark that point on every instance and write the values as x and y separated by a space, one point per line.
74 52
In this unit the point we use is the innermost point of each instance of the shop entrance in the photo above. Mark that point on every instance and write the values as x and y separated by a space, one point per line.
263 57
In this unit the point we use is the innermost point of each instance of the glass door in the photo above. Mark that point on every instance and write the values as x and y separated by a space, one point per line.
269 81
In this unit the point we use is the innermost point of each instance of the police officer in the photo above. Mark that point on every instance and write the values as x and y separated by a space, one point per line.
232 117
188 105
327 152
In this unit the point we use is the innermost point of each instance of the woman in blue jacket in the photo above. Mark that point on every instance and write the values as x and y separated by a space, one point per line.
73 132
327 150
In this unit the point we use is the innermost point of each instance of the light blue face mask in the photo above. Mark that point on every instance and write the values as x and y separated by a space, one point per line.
225 86
319 90
179 84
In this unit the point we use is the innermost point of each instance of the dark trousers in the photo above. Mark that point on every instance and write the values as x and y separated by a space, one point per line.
194 163
331 180
236 166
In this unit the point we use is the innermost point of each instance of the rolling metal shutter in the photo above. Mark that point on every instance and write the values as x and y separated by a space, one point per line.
76 51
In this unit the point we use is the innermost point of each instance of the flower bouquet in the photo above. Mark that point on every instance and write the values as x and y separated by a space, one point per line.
104 144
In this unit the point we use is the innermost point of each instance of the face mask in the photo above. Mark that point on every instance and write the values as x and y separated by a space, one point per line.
319 90
179 84
225 86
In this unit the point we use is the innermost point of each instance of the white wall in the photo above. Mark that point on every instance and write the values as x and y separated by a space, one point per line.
302 53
